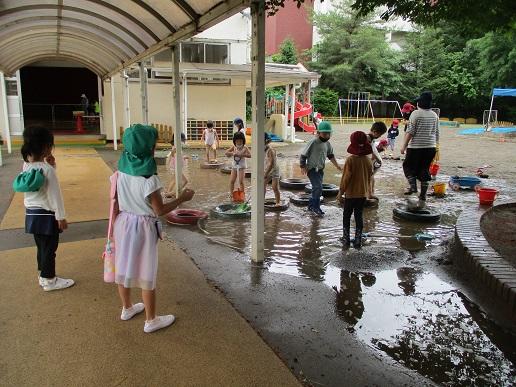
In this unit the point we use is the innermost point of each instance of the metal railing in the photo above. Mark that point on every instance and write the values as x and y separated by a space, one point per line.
59 116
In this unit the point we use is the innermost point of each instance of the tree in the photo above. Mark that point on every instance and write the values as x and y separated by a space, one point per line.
325 101
287 53
478 16
353 55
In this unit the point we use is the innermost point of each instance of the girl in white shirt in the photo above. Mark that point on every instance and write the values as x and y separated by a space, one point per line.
211 141
45 214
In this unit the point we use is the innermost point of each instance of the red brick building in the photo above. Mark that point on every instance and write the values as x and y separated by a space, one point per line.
290 22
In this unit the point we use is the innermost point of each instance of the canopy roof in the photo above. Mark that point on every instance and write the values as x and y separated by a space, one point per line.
105 36
504 92
275 74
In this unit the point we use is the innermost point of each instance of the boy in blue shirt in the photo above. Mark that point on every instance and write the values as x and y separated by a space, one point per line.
312 162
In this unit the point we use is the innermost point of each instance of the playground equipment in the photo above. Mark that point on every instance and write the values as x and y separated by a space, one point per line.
185 216
360 107
300 112
500 93
417 215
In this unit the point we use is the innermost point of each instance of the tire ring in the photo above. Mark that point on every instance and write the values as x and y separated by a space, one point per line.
185 216
211 165
220 211
423 215
292 183
270 205
226 170
328 189
302 199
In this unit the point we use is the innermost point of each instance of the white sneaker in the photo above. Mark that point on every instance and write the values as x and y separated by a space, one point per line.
158 323
40 280
129 313
421 204
56 283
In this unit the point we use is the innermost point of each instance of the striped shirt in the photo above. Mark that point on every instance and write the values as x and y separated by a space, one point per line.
424 128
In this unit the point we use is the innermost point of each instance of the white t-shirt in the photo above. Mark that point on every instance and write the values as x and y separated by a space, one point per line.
134 191
209 136
49 196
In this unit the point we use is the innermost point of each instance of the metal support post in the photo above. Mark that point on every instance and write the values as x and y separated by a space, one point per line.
178 123
258 117
113 114
143 94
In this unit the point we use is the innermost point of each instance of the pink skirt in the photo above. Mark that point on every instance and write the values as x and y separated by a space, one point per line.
136 251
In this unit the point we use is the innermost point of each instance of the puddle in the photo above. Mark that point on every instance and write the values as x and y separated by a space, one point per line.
410 315
424 324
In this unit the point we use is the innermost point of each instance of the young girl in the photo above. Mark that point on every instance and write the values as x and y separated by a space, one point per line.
271 170
239 152
137 228
392 133
45 214
171 165
354 185
238 125
211 141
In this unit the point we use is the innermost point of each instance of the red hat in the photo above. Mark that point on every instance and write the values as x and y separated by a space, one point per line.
359 145
395 122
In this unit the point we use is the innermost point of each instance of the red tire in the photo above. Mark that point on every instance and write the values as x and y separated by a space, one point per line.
185 216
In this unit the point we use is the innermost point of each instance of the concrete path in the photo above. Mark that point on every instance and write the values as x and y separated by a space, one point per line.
75 336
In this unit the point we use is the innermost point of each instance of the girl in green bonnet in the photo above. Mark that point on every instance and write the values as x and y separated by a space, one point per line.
137 228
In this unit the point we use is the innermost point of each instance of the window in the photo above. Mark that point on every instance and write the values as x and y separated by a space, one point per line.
204 53
11 87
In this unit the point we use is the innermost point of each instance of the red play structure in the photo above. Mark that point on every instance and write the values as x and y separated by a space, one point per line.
300 112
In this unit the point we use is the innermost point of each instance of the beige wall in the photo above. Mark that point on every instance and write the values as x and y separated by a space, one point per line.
204 102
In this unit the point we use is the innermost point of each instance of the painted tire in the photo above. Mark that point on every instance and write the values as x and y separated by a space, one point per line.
327 191
221 212
293 183
302 199
270 205
211 165
423 215
185 216
226 170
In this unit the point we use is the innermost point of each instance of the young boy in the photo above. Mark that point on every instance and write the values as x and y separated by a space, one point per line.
312 162
378 129
392 133
271 170
354 185
211 141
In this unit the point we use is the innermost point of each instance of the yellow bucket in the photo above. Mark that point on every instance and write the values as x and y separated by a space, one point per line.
439 189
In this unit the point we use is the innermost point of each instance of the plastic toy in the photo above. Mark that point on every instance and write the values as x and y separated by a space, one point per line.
465 182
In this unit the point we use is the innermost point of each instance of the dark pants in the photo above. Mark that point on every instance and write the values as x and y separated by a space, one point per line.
316 179
417 163
47 247
355 206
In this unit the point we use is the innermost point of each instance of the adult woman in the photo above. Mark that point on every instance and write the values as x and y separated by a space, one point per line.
420 144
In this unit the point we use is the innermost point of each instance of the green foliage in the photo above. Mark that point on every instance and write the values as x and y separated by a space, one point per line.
478 16
353 55
287 53
325 101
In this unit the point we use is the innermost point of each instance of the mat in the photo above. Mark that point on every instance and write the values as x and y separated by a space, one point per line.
84 179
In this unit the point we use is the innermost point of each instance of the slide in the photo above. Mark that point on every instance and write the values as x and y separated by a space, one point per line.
303 111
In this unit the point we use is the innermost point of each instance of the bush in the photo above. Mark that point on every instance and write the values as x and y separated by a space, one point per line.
325 101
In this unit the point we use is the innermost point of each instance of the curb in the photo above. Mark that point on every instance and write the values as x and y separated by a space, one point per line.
474 252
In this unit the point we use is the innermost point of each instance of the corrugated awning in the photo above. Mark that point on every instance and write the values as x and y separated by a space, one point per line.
104 36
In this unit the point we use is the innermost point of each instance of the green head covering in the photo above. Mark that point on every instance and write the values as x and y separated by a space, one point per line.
138 158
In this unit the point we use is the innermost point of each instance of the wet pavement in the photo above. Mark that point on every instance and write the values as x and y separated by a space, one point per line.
386 296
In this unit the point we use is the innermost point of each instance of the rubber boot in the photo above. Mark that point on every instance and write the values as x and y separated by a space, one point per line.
422 195
345 236
412 188
357 243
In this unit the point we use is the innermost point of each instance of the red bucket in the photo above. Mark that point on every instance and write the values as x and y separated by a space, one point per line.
434 168
487 196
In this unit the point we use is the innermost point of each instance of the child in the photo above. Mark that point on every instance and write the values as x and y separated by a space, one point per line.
137 227
272 170
354 185
392 133
378 129
171 164
211 141
312 162
238 125
45 213
239 152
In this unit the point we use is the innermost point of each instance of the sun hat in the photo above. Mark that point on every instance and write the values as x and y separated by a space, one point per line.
324 127
238 121
138 157
424 101
359 145
395 122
